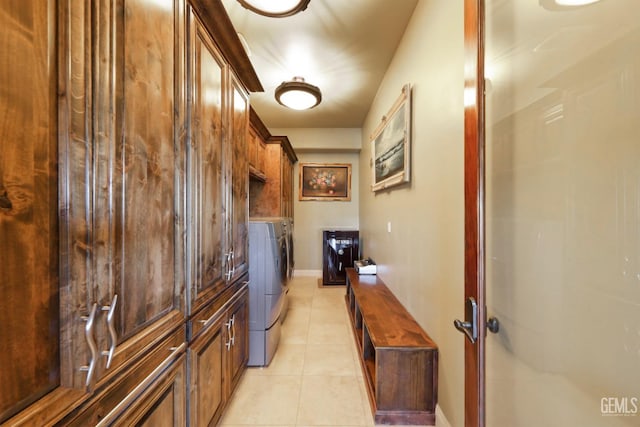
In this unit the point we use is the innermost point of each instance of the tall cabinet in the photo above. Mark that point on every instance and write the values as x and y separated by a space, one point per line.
123 209
218 217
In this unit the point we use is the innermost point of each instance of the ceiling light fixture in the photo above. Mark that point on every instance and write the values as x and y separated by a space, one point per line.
275 9
575 2
298 94
565 5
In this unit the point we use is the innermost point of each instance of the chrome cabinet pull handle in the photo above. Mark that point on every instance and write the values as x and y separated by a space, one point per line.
93 347
229 273
233 263
233 330
205 321
229 342
113 336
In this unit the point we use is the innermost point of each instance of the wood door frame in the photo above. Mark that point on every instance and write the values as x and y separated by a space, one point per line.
474 280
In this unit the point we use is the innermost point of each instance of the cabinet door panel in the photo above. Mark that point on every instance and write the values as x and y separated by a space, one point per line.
145 164
206 195
207 358
29 312
239 351
238 129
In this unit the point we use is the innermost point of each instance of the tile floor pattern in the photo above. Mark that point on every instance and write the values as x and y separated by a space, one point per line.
315 377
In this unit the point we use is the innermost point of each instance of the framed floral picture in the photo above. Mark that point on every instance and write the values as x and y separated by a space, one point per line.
325 181
391 145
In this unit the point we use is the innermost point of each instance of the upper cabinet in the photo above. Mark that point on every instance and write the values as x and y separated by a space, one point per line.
217 170
257 149
274 195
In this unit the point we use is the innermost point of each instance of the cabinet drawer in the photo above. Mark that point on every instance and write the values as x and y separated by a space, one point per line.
212 311
117 398
163 404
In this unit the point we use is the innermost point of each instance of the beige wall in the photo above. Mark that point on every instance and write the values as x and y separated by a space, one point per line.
325 139
311 217
421 259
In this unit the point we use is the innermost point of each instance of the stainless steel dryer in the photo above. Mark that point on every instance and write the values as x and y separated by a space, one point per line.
268 274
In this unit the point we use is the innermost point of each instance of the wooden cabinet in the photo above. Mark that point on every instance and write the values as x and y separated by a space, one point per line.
217 170
113 135
257 151
271 160
217 356
217 196
123 203
287 160
274 197
399 360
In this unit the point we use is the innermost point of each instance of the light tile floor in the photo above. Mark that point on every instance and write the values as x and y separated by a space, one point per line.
315 377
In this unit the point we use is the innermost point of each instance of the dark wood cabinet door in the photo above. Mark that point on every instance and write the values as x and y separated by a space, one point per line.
239 215
29 313
145 166
207 360
206 179
239 350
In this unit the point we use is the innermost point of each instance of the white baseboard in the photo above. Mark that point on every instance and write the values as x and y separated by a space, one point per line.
441 420
307 273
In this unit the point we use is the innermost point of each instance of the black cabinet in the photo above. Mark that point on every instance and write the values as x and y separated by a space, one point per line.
340 250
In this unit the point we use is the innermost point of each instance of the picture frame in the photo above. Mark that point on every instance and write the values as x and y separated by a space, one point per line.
325 181
391 145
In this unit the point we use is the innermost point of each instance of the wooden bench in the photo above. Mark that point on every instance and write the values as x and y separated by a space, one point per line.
399 360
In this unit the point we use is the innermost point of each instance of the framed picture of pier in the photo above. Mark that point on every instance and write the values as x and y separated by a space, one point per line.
391 145
325 181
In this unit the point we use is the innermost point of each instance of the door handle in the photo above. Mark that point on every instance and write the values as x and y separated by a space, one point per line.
113 336
470 325
493 325
93 347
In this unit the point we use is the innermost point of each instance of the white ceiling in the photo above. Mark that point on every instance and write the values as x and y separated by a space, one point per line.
342 46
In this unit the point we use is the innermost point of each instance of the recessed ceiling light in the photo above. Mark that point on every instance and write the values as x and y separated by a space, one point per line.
298 95
275 9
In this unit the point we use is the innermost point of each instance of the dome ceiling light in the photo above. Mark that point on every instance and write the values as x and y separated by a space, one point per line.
563 5
275 9
575 2
298 95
